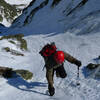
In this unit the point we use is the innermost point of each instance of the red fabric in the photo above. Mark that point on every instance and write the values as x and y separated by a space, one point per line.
59 57
49 50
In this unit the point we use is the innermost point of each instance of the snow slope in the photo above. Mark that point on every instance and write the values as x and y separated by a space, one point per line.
68 36
83 20
80 47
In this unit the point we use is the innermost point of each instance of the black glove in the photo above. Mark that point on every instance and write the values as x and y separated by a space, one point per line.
78 63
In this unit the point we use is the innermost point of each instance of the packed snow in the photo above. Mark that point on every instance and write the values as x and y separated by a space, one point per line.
83 48
53 27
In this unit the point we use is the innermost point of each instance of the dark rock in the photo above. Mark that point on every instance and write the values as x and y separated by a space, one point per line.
92 66
6 72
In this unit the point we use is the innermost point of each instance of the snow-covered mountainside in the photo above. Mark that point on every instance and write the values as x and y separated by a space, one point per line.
45 16
74 27
9 10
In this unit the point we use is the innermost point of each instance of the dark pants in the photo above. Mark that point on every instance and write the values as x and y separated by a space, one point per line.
60 71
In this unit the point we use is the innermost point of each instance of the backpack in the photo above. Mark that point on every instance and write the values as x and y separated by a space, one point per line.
48 50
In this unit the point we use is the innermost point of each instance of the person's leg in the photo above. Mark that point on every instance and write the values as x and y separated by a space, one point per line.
61 72
49 76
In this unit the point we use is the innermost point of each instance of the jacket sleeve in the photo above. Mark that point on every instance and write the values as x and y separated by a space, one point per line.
70 59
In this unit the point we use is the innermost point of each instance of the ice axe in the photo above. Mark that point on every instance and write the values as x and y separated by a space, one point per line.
78 76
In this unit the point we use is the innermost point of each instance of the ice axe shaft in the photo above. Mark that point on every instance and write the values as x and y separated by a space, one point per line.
78 72
78 83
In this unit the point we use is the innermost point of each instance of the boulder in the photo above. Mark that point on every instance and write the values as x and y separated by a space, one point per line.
6 72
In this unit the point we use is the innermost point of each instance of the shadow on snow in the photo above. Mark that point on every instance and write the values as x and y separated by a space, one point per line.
23 85
89 73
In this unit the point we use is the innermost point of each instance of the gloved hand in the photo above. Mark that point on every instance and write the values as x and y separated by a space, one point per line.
78 63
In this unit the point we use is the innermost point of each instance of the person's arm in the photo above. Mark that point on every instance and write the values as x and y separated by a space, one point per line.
71 59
